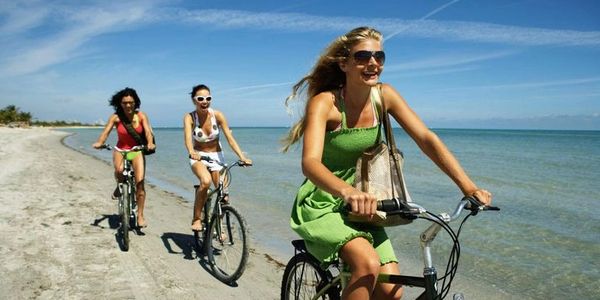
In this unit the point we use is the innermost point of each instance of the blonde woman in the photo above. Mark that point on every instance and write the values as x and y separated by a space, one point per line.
339 123
202 130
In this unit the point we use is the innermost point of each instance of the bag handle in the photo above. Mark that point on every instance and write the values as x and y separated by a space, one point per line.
395 165
384 119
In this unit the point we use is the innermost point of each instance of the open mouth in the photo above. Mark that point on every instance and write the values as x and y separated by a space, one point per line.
370 75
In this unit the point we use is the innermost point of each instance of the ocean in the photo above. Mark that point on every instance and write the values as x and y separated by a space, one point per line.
543 244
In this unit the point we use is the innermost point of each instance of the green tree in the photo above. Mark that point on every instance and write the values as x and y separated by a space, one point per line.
12 113
9 114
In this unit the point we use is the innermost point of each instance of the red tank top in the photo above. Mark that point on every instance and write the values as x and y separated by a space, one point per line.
125 140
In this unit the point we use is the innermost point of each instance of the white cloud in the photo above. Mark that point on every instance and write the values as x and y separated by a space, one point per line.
448 60
448 30
80 24
70 27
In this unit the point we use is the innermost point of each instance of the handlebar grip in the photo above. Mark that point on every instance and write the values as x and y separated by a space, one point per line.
388 205
474 204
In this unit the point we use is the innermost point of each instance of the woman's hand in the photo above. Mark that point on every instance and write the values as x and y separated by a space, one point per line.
363 204
151 146
483 196
97 145
246 161
194 156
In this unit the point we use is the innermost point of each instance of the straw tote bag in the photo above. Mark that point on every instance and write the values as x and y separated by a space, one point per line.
379 171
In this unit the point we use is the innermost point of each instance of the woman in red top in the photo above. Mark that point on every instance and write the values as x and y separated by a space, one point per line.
126 104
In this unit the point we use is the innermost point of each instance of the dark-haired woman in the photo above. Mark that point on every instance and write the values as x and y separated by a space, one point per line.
126 104
202 128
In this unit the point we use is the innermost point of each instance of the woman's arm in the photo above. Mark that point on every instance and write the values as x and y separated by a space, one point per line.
107 129
187 136
319 110
430 144
148 131
222 122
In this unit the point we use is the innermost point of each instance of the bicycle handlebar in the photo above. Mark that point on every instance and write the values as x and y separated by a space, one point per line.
237 163
134 148
396 207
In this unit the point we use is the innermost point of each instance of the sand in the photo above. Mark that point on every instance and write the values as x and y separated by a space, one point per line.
58 233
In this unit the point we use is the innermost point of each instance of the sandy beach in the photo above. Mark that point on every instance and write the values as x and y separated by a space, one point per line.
58 230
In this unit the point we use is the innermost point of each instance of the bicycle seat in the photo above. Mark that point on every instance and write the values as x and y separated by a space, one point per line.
300 245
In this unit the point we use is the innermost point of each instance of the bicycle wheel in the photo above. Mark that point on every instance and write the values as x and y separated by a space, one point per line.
125 213
303 279
228 248
132 206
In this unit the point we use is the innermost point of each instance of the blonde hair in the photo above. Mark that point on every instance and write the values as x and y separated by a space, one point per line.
326 75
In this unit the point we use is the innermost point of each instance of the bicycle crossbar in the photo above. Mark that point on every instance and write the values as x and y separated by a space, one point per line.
401 279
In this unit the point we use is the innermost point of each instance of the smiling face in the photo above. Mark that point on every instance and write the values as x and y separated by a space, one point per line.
363 71
202 99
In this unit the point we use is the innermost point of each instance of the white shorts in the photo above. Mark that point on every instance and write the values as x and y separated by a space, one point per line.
211 166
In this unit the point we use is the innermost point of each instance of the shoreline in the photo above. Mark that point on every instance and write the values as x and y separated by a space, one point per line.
280 254
59 237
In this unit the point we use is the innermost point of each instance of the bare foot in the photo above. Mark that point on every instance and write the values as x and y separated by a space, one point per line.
196 225
141 222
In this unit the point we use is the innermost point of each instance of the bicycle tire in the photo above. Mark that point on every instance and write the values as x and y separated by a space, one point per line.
132 205
125 214
228 256
303 278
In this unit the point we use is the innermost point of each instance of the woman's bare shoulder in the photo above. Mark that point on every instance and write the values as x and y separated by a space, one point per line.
323 100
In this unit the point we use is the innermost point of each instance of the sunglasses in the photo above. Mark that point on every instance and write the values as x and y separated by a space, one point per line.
202 98
364 56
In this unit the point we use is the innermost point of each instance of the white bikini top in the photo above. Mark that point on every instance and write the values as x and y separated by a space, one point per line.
198 134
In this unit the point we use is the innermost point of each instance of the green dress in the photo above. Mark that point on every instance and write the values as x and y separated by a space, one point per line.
316 215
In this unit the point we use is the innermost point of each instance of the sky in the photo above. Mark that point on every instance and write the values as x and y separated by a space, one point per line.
522 64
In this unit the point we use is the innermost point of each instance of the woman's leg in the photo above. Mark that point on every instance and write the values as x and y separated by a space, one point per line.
364 264
118 165
387 290
139 169
205 178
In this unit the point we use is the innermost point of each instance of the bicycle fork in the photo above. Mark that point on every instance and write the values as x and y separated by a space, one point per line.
429 271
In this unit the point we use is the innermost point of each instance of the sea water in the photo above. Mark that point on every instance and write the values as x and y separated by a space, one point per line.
543 244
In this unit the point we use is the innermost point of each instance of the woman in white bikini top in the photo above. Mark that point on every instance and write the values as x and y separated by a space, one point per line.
201 138
199 135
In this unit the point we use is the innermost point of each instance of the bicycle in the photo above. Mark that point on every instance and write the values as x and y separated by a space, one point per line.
304 278
224 237
127 205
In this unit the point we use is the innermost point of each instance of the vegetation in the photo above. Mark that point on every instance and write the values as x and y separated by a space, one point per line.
12 114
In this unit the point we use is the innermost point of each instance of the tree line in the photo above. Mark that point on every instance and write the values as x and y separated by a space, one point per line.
13 114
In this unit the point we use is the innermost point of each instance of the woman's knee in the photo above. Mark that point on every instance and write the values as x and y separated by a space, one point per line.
388 290
360 255
205 182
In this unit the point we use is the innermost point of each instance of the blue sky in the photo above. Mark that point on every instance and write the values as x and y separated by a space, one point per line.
532 64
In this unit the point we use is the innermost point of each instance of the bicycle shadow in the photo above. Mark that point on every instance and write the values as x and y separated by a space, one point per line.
188 245
185 242
114 222
112 219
